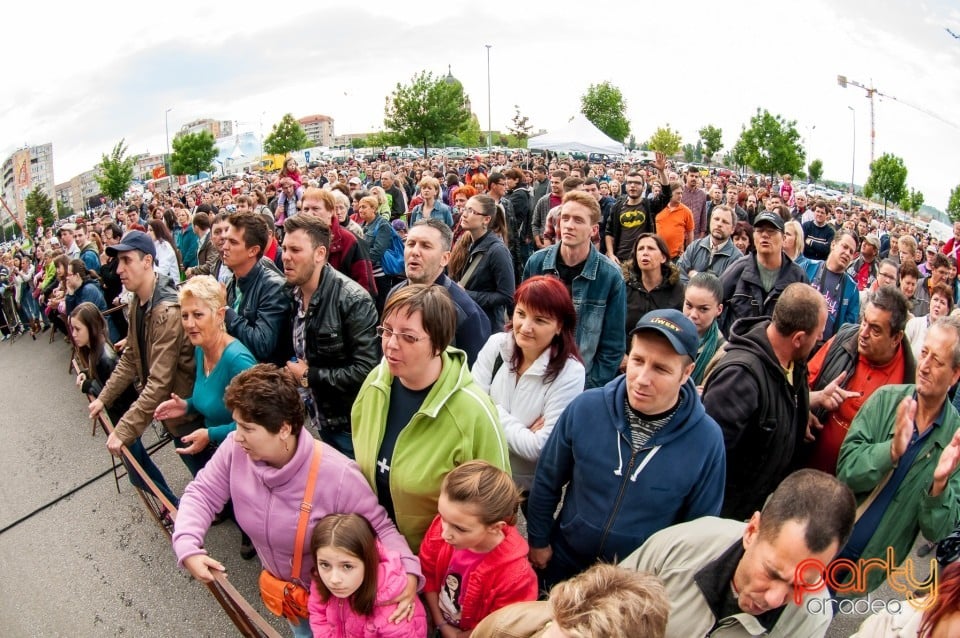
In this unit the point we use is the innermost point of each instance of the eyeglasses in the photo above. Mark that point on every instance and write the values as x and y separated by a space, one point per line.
404 337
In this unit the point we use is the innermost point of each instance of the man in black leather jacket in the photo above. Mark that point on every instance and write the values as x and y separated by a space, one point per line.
334 336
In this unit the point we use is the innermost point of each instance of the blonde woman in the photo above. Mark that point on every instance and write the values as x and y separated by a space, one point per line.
431 206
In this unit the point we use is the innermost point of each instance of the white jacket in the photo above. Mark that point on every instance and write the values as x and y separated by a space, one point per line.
167 261
522 402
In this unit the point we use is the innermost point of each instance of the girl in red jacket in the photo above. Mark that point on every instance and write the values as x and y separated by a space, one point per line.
473 558
356 582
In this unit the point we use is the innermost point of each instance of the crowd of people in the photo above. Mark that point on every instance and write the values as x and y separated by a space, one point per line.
689 383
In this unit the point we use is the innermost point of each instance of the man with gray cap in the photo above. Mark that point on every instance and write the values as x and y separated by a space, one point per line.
158 356
753 283
864 268
636 455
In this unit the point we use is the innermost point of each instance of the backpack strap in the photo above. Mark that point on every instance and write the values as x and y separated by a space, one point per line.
497 364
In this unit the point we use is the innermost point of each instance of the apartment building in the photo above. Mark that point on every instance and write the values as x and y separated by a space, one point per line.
23 171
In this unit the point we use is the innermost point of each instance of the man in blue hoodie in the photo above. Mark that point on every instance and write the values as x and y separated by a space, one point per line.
636 456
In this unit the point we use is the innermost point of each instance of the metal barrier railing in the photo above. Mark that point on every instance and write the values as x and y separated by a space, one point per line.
241 613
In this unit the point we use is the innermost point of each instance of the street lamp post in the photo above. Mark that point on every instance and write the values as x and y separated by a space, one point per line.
853 154
166 122
489 115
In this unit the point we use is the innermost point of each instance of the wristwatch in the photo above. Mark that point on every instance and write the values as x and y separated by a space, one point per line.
303 380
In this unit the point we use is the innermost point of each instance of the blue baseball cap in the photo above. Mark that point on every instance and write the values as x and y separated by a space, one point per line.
134 240
672 324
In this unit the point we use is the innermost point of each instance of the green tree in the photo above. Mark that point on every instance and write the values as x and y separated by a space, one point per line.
693 153
603 104
286 135
771 145
193 153
953 204
426 110
470 134
916 200
912 201
520 127
380 140
712 139
888 179
665 140
358 142
116 172
816 170
64 209
39 209
632 142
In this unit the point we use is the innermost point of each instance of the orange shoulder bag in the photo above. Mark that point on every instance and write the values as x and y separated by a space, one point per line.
288 598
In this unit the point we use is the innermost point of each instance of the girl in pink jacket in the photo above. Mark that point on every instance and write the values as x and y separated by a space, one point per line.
354 579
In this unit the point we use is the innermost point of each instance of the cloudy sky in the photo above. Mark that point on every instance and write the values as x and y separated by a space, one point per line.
84 77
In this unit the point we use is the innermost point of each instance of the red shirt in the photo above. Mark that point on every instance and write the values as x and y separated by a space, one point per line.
866 379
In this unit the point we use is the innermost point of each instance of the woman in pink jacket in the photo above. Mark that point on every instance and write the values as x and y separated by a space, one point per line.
355 579
263 467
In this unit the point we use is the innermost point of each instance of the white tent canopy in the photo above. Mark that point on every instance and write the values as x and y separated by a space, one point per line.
580 136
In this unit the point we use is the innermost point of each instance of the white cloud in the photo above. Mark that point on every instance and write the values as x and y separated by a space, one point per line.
111 72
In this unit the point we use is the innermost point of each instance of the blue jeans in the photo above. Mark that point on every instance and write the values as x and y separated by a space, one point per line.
140 454
29 307
341 440
301 629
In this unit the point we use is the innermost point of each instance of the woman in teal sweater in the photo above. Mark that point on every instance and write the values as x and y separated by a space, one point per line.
220 358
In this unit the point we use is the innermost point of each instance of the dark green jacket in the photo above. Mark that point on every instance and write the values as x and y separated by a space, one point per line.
865 461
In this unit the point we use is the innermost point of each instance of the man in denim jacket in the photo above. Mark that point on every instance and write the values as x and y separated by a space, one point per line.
594 282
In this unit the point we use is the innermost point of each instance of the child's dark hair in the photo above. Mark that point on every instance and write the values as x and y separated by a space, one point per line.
98 337
353 534
489 488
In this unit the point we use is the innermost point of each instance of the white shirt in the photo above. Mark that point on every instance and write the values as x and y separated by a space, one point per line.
167 260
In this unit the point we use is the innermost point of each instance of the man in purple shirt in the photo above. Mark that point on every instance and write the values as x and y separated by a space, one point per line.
696 200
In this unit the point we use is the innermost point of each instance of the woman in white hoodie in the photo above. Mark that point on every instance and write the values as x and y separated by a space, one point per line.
533 370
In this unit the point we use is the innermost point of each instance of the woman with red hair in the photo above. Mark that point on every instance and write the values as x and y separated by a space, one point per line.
533 370
479 183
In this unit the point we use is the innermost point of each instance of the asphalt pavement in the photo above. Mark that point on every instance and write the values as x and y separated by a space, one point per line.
95 563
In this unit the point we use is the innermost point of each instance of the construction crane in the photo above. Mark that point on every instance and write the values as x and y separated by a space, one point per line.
871 92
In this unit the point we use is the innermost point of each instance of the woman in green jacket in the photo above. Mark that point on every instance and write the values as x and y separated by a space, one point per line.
419 414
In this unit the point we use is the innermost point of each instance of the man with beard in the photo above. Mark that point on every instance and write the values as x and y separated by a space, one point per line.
696 200
334 330
713 253
635 215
